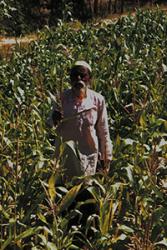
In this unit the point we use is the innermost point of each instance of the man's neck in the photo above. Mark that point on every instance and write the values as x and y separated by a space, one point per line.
80 94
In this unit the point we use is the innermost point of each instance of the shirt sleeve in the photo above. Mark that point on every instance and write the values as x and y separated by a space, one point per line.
102 128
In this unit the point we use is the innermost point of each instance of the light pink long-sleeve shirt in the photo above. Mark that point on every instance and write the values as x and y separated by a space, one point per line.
85 122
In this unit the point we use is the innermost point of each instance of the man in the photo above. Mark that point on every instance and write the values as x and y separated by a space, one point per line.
83 121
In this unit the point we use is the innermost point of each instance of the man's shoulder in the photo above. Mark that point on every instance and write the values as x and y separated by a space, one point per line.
96 95
66 93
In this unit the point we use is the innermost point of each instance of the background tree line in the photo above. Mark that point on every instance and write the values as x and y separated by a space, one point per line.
23 16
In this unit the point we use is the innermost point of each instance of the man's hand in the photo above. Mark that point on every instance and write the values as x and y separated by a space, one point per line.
103 166
56 117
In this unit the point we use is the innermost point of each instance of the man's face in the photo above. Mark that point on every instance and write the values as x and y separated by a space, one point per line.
80 77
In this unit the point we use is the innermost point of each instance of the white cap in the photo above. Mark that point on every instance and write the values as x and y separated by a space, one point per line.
84 64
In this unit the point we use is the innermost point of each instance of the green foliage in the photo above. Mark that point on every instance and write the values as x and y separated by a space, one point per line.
15 17
24 16
129 64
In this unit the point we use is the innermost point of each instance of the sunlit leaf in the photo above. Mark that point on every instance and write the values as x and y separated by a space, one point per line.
69 198
51 186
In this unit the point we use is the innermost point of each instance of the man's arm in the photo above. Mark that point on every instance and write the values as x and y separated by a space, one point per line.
102 128
55 116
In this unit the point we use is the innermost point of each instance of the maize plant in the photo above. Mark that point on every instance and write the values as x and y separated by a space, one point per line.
129 205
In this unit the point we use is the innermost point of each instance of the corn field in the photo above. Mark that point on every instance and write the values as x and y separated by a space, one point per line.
129 63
